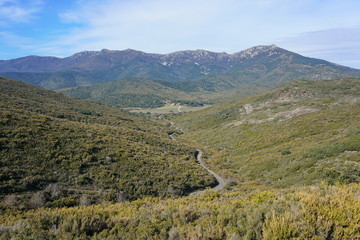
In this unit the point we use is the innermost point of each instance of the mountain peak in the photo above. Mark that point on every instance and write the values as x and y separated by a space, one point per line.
130 50
254 51
263 47
104 52
84 54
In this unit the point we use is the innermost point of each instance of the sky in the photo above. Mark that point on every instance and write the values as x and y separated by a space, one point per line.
326 29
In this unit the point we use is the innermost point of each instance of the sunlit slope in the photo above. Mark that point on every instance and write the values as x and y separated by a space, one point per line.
316 212
300 133
65 150
255 210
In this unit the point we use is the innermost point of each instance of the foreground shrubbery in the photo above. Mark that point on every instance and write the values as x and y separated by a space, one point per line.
315 212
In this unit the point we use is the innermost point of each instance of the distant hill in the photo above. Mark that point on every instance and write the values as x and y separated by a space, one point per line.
60 151
131 92
265 65
300 133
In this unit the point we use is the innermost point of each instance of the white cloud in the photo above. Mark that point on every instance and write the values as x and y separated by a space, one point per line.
163 26
19 11
341 45
139 23
17 44
9 37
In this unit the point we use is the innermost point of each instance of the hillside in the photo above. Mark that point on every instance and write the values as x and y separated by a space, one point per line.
59 151
281 151
300 133
131 92
266 65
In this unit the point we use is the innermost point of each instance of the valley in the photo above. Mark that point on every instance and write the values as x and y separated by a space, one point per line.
259 144
86 150
167 109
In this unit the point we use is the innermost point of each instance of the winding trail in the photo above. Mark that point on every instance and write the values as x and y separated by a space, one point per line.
221 182
179 108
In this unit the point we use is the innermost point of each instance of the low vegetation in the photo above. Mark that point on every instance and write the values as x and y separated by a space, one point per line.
71 169
317 212
300 133
58 151
132 92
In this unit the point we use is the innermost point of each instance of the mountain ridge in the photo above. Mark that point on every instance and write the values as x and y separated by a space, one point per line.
210 77
26 64
167 56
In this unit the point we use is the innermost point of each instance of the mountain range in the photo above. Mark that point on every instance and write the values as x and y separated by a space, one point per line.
194 74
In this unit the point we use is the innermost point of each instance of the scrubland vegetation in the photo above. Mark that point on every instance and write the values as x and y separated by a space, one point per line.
71 169
61 152
317 212
299 134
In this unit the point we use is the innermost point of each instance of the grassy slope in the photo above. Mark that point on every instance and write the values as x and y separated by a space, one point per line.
300 133
63 149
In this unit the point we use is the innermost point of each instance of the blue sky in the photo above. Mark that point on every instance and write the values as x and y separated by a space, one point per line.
327 29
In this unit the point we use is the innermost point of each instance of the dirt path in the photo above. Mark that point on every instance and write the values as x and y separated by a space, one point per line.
220 180
199 153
